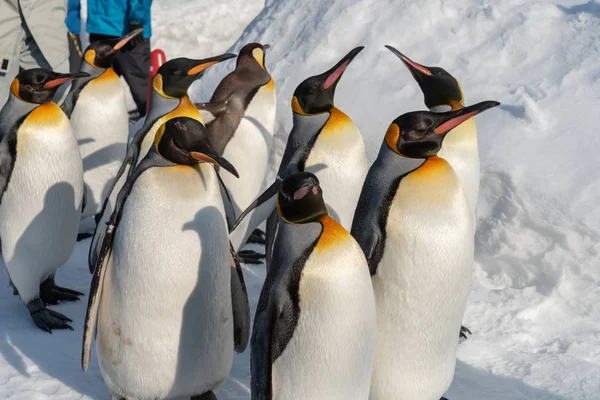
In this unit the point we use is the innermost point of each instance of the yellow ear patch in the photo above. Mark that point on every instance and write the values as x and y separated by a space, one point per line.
391 137
90 56
333 234
157 84
14 88
462 96
296 106
259 56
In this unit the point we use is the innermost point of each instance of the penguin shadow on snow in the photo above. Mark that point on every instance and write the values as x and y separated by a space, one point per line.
57 354
189 359
473 383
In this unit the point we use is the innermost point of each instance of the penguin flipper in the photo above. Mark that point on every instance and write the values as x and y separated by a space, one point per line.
7 160
260 356
239 301
124 173
94 297
212 110
227 201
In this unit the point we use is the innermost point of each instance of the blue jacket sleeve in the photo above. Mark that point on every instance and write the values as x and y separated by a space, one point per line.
139 11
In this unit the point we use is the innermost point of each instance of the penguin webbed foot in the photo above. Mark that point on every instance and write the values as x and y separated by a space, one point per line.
250 257
210 395
52 294
463 333
257 237
14 288
47 319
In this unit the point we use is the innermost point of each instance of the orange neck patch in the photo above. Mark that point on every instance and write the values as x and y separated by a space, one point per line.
338 121
48 114
107 76
185 109
333 234
432 167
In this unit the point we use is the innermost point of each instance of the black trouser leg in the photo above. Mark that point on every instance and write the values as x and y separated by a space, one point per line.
75 52
134 65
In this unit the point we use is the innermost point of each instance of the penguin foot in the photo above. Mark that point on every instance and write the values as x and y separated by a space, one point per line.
463 333
257 237
12 285
83 236
46 319
52 294
206 396
250 257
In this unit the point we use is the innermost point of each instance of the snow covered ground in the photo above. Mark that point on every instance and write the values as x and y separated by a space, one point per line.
534 306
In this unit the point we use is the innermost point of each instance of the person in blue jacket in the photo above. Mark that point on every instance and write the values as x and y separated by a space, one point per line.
114 18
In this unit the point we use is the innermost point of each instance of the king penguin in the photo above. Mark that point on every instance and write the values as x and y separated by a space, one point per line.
442 92
314 329
98 112
240 119
168 235
41 192
169 100
414 224
323 141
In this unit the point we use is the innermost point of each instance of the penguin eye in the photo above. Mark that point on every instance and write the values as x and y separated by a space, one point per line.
312 90
177 72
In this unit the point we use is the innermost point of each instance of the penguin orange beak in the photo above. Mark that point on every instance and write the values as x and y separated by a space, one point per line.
335 73
208 62
413 67
125 39
64 78
213 158
450 120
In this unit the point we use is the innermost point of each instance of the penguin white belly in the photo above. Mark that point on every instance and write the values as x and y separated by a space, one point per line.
248 151
165 318
339 160
40 209
421 287
460 149
330 354
101 124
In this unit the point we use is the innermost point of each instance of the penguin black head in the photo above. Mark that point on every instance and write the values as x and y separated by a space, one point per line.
102 53
175 77
252 54
438 86
300 199
420 134
315 94
184 141
39 85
